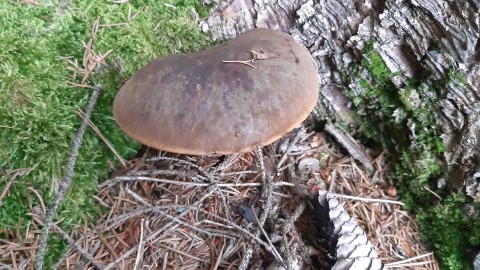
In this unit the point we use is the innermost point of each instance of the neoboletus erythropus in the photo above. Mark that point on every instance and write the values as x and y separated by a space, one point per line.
230 98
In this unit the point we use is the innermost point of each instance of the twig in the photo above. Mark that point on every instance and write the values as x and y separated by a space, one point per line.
229 160
286 248
193 227
236 226
290 146
272 247
42 204
182 162
182 253
247 256
256 55
113 24
99 133
261 164
79 85
162 213
329 194
431 191
266 196
141 246
5 266
73 243
137 197
399 263
219 257
244 62
66 181
350 144
192 184
207 192
222 174
286 232
17 172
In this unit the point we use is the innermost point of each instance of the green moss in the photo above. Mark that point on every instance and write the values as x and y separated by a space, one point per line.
38 106
57 246
402 120
456 75
375 64
446 222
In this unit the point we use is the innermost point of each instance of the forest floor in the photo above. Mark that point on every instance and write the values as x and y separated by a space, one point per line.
52 56
170 211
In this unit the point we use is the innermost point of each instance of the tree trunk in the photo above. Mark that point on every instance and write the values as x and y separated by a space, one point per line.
434 44
405 74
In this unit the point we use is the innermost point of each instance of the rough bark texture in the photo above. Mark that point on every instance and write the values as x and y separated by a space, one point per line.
426 41
431 47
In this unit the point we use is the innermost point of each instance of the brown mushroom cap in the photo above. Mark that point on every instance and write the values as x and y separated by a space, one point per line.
197 104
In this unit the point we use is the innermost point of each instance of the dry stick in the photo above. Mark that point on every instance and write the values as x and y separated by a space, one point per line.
192 184
235 226
153 235
236 173
219 257
286 248
141 246
224 201
183 162
193 227
267 189
5 266
227 162
336 195
213 183
290 146
73 243
224 165
275 252
349 143
99 133
244 62
175 219
262 166
119 220
182 253
214 180
431 191
18 172
256 55
66 181
157 172
285 232
40 199
399 263
137 197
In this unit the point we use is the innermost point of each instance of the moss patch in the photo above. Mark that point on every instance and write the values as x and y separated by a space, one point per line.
38 108
403 121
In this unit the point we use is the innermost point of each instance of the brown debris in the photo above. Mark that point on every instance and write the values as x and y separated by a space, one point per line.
181 212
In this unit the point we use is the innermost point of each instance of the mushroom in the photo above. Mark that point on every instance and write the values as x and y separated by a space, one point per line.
230 98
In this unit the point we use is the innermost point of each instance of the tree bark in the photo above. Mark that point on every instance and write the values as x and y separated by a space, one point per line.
433 42
431 50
